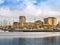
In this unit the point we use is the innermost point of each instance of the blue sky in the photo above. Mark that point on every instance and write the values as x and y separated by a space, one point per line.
29 8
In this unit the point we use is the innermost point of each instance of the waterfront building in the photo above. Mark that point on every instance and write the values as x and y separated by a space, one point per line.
47 27
51 21
30 25
9 27
22 21
15 25
38 24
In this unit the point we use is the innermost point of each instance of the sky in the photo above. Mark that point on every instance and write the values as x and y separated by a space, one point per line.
38 9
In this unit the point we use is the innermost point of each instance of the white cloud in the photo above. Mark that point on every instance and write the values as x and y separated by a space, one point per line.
51 13
30 10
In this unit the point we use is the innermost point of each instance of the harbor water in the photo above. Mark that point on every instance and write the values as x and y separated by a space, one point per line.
31 41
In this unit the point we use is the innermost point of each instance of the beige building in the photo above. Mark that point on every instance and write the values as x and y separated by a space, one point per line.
30 25
38 24
51 21
22 20
47 27
16 25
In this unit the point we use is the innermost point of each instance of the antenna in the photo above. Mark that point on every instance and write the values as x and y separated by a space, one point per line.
1 23
34 18
9 22
5 22
13 19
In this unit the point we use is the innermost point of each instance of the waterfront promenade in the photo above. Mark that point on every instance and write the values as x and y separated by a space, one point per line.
28 34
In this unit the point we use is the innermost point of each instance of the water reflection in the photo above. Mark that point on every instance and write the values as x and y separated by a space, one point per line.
51 41
31 41
40 41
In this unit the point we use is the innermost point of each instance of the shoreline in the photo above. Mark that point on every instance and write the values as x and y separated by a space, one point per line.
28 34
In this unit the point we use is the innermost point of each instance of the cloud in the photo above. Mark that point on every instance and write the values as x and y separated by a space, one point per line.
30 8
32 11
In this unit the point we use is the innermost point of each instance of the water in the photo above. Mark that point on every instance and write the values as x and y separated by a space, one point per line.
30 41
